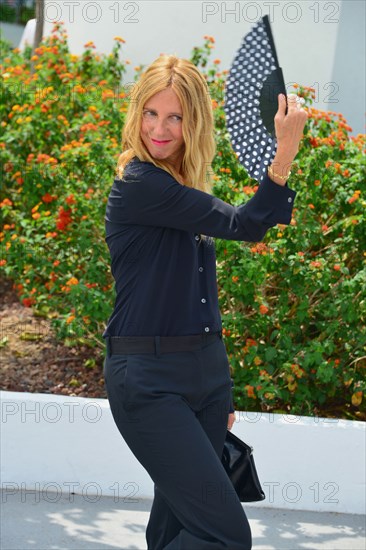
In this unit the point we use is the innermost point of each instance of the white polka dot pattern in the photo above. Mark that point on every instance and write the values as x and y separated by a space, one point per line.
254 146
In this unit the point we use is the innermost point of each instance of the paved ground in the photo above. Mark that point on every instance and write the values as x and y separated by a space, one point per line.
70 522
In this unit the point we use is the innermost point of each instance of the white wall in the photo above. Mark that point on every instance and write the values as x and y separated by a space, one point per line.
154 27
349 66
58 444
307 36
320 43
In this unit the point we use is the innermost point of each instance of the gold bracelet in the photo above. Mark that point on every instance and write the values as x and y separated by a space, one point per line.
272 173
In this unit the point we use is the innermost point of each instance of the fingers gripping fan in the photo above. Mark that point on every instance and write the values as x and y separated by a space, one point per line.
251 99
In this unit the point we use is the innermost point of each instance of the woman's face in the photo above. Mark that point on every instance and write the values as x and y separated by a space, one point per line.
161 128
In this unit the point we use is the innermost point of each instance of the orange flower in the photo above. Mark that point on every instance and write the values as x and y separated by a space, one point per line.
89 192
338 167
70 319
2 262
72 281
250 342
6 202
70 199
63 219
46 159
263 309
250 391
336 267
235 279
261 249
297 370
27 302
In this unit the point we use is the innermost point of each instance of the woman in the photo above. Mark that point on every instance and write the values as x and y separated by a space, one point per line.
166 369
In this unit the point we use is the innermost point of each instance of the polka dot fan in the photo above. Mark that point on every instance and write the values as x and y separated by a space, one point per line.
251 99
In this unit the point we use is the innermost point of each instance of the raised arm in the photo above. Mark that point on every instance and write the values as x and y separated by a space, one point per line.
289 131
148 195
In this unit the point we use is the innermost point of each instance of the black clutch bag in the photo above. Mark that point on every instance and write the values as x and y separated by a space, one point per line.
238 461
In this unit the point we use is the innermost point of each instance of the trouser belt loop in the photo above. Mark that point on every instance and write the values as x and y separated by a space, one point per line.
157 345
108 345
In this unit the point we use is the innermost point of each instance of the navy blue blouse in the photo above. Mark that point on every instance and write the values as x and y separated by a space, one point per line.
165 273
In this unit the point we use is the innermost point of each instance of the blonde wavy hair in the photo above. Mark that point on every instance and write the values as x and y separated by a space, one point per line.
169 71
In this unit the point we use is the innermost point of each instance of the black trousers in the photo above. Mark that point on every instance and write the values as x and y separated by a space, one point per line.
172 411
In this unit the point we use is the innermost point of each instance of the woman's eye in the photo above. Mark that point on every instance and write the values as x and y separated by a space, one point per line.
152 114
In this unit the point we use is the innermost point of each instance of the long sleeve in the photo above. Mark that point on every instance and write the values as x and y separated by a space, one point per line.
165 273
150 196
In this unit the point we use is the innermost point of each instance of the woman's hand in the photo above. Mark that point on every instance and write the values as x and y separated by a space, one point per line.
289 131
230 421
289 128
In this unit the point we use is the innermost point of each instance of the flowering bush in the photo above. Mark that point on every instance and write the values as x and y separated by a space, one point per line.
293 306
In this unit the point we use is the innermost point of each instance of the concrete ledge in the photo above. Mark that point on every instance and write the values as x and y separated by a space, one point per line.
65 445
73 522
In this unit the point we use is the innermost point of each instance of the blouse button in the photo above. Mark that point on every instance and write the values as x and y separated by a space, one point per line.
197 238
289 199
200 269
203 300
207 329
